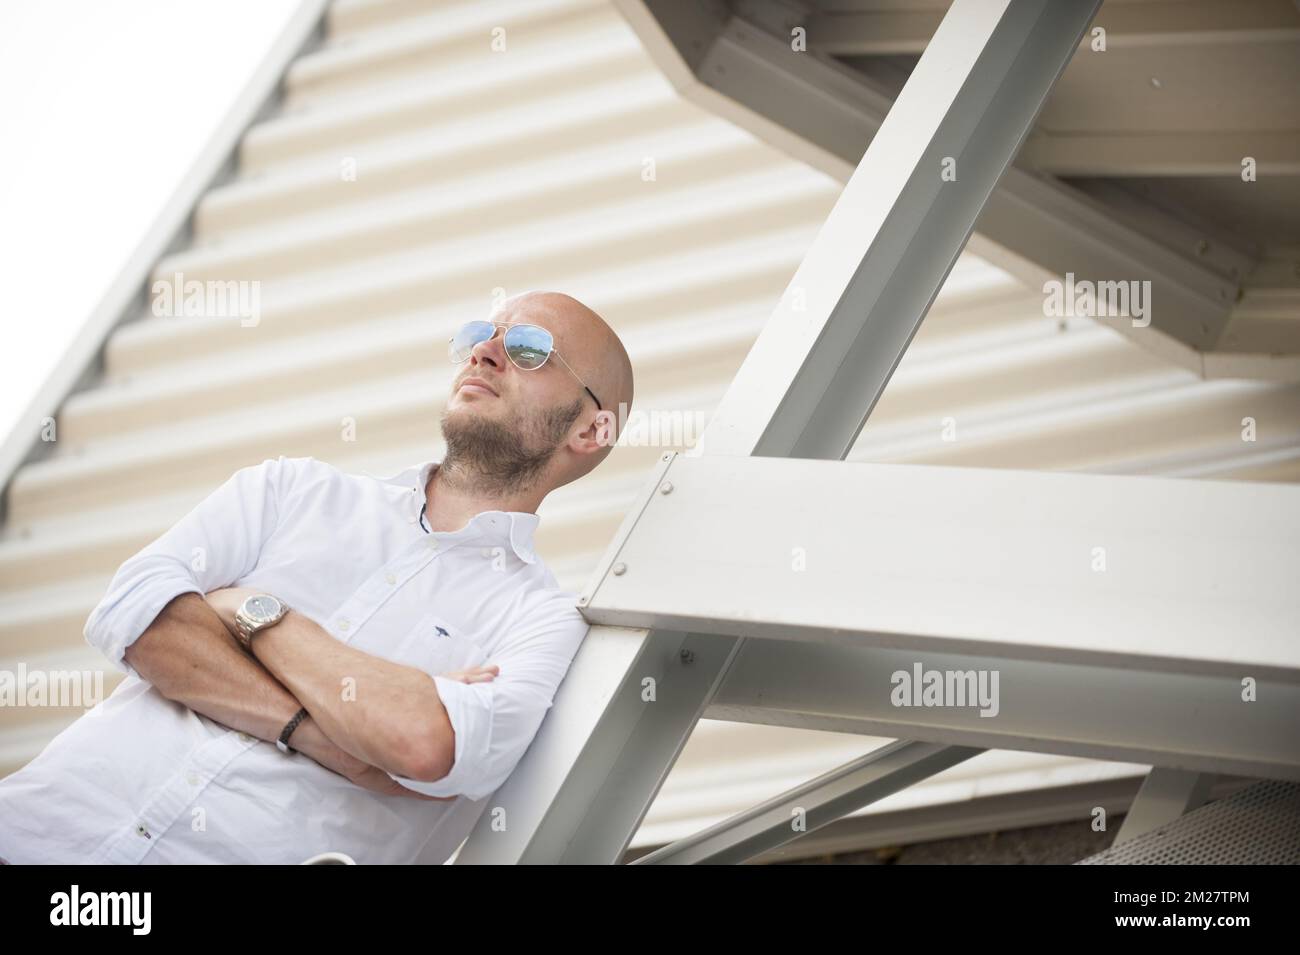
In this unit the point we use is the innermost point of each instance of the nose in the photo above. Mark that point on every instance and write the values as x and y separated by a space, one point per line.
491 350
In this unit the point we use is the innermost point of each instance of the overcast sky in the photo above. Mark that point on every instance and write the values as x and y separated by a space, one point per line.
104 105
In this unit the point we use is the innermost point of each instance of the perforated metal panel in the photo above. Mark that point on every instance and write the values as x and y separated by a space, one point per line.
1259 825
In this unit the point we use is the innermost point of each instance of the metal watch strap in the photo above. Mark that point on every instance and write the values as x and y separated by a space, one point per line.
246 632
282 744
245 635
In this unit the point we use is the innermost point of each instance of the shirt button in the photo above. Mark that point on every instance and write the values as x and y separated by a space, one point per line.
245 737
192 778
344 623
391 578
433 543
142 831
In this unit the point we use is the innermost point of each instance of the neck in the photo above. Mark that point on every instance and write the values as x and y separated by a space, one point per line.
453 497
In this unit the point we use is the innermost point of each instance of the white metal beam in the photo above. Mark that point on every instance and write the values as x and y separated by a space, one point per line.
1144 573
806 388
1276 152
980 814
812 106
1147 717
1146 620
1127 25
1166 794
816 803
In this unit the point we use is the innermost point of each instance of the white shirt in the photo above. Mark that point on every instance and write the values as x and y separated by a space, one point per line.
140 778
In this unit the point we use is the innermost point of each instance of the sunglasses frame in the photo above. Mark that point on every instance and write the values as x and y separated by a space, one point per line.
551 351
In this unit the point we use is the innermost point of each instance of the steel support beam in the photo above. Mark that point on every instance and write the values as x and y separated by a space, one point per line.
1101 602
1142 573
1166 795
816 803
805 389
1148 717
816 108
1163 154
1128 25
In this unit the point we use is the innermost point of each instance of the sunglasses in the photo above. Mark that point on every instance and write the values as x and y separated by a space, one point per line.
527 346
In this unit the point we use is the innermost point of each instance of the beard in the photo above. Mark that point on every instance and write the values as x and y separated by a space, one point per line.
504 457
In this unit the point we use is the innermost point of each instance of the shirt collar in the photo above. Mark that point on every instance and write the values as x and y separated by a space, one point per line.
518 527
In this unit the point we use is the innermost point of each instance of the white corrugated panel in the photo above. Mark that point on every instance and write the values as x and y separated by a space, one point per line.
478 171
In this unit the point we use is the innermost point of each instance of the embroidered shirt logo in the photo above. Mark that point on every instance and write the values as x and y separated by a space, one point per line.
442 632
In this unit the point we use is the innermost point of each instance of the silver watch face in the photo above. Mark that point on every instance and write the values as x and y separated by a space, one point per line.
262 608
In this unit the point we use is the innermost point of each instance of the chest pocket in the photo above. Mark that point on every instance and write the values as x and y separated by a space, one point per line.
438 646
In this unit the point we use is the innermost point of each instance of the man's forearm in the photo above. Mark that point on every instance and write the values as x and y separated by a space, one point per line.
374 711
189 656
384 713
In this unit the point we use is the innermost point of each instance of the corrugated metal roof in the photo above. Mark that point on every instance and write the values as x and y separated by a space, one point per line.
478 171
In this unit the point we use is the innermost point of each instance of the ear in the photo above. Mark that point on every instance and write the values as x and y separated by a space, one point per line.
602 432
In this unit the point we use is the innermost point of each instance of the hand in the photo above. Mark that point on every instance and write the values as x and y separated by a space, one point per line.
479 674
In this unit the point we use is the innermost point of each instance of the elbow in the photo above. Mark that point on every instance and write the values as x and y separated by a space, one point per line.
152 654
142 657
429 752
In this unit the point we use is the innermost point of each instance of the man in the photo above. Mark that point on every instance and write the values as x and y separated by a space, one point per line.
319 661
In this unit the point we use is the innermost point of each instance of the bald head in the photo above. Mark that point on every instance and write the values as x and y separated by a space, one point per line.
584 340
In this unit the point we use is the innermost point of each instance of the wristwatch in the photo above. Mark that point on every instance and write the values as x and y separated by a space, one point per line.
257 613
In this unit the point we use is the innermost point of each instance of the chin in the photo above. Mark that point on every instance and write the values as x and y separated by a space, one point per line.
463 405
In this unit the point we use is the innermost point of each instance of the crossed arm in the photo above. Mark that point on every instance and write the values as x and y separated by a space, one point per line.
392 723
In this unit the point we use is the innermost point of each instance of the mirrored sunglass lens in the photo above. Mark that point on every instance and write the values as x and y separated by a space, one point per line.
528 345
470 334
